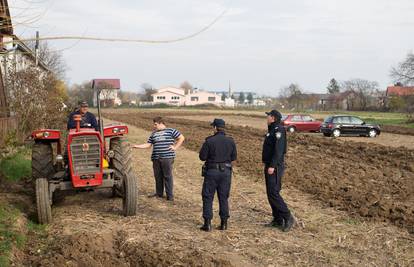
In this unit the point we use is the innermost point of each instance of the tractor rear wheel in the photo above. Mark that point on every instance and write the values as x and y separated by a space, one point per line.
121 163
43 203
42 160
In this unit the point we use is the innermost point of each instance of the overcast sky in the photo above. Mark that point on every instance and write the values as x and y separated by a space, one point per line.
258 45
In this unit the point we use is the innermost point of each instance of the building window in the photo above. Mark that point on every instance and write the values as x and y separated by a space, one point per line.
161 97
175 97
194 98
211 98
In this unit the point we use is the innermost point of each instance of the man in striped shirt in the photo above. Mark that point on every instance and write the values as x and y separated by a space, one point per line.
164 142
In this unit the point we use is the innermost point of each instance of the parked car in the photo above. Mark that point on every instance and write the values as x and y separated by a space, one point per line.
300 123
338 125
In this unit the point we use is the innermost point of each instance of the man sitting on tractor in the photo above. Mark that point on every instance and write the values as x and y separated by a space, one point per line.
88 120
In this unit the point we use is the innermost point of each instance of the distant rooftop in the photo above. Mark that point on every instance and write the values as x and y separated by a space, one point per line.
106 83
400 90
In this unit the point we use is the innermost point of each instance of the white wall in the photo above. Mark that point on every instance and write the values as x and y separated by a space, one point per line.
107 94
201 98
169 98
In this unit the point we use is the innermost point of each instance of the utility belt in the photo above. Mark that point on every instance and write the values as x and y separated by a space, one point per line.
215 166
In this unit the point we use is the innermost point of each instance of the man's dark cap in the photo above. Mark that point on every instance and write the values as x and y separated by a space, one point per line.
83 104
274 113
218 123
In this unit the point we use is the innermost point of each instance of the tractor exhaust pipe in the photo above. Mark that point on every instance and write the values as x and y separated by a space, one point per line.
98 99
77 118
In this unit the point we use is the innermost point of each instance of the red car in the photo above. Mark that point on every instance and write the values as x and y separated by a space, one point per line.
301 123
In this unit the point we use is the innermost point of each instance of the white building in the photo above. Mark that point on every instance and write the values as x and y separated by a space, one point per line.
109 95
176 96
169 95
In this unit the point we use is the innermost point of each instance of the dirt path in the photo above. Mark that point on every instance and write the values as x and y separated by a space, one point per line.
385 139
88 230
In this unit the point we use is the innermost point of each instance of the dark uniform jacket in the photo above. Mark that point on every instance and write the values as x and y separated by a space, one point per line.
274 146
218 148
88 121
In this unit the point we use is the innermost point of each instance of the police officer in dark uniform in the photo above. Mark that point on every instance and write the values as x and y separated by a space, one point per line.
273 156
218 152
88 120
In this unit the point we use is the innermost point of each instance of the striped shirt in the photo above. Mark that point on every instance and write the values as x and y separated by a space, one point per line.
161 142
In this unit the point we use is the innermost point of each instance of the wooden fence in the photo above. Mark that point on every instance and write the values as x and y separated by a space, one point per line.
7 125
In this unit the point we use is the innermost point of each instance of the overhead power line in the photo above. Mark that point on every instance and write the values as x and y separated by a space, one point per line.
127 40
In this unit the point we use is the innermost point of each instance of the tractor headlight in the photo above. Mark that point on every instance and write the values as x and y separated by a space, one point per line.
59 158
118 130
46 134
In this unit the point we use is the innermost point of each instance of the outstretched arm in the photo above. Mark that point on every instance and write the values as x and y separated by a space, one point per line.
142 146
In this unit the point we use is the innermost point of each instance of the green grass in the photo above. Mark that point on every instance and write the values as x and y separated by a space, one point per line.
17 166
382 118
37 228
9 237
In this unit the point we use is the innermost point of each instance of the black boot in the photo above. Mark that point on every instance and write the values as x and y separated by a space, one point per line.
223 225
289 223
277 223
207 225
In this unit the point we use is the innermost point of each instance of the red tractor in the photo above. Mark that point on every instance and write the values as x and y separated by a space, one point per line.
93 160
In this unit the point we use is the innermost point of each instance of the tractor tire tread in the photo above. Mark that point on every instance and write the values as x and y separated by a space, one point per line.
42 160
44 210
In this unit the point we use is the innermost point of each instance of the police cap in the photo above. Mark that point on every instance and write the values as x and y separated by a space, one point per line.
274 113
218 123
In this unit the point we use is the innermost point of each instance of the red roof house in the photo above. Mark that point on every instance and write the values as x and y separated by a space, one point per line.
400 90
108 97
106 84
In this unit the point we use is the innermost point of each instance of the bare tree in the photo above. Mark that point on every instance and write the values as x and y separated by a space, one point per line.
292 94
52 59
363 89
81 92
404 72
148 92
147 86
186 86
36 99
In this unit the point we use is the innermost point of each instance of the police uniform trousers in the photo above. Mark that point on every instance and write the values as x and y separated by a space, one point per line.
273 187
220 181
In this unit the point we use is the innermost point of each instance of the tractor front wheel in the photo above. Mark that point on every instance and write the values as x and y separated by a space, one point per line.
42 160
122 165
129 198
44 205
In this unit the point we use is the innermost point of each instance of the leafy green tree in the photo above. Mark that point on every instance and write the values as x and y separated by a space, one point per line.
333 87
250 98
242 98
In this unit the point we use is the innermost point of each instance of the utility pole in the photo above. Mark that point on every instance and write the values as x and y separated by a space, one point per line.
37 49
